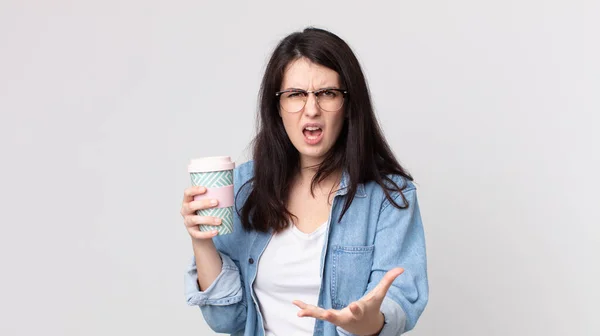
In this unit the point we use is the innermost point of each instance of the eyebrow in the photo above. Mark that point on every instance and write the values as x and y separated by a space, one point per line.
322 88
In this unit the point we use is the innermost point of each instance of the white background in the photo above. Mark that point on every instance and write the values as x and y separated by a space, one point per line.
492 106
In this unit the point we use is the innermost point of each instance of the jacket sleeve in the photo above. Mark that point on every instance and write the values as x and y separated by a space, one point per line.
400 242
222 304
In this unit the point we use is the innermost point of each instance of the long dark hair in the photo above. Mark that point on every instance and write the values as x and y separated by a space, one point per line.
360 150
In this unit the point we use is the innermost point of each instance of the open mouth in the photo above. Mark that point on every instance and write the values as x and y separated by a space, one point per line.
312 134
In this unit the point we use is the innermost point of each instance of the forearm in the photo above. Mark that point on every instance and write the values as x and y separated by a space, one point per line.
208 262
221 299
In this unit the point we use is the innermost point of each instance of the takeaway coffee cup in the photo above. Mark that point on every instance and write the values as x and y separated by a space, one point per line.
216 174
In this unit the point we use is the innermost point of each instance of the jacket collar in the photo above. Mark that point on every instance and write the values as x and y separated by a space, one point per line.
345 186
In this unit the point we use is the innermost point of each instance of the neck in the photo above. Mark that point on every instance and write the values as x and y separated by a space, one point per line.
307 173
308 168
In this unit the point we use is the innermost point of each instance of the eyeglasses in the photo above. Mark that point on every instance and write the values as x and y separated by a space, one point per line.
294 100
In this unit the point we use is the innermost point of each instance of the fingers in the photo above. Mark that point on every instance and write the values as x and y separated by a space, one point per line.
300 304
188 211
188 197
191 221
307 310
386 282
197 234
189 193
357 309
190 208
310 310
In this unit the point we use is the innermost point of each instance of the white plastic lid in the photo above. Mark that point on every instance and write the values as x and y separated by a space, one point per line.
210 164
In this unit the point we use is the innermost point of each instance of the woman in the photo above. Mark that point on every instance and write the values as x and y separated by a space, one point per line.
327 236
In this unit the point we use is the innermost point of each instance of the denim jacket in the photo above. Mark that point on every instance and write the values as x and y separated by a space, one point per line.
373 237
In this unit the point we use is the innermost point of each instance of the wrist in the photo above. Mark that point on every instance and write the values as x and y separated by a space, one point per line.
202 243
204 250
380 323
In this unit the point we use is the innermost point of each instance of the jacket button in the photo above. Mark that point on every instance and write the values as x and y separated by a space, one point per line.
251 261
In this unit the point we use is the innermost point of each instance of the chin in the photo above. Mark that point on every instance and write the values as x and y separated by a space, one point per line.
313 154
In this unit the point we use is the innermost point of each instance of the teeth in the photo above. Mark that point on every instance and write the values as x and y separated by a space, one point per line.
312 128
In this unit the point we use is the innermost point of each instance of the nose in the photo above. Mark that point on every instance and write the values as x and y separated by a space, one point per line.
311 108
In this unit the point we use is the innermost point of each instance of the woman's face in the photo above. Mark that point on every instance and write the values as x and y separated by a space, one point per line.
312 130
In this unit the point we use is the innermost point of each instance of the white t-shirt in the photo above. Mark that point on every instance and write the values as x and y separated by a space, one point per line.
288 270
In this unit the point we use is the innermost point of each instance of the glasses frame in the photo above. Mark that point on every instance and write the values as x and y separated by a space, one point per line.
316 93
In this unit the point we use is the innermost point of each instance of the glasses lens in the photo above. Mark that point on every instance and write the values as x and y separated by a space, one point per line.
293 101
330 100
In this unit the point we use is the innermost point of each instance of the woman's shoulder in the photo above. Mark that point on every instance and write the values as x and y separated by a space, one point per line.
392 182
400 190
243 172
405 183
398 187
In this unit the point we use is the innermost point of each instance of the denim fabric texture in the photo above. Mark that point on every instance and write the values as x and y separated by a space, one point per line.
373 237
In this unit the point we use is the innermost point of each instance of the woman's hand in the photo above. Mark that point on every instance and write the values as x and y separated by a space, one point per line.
188 211
208 261
361 317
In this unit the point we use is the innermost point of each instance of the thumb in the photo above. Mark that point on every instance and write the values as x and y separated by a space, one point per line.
386 282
